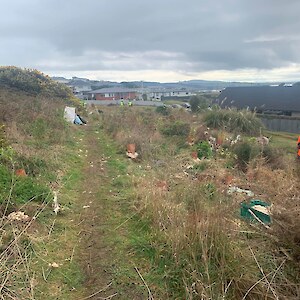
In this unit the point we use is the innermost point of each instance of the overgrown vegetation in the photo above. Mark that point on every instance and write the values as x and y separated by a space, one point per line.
191 238
187 238
32 134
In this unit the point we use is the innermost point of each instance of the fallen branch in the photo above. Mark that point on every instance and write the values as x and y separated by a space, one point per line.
96 293
150 297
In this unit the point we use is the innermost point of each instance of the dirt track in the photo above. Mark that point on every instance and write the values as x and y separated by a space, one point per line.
97 249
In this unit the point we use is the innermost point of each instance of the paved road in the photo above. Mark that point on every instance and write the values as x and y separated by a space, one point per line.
117 102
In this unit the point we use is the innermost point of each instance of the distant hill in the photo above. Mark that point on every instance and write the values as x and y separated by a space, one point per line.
193 85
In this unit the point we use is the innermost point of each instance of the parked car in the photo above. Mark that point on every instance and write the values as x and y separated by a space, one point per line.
186 105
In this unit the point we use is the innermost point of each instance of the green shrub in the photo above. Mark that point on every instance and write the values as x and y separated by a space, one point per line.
204 150
177 128
245 151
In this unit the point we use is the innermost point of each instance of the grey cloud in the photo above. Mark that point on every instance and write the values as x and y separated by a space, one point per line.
178 35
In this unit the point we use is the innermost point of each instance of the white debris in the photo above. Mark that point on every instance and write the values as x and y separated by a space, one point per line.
17 216
54 265
132 155
86 206
56 207
238 138
235 189
263 209
262 140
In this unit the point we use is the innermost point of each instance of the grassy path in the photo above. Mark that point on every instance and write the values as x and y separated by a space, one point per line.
86 240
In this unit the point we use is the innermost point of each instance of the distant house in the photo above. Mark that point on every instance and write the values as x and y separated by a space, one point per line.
164 94
115 93
280 100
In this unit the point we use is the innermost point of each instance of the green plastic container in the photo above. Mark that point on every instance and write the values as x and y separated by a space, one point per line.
247 207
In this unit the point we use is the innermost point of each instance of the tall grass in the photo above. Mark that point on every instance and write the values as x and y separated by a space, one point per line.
234 121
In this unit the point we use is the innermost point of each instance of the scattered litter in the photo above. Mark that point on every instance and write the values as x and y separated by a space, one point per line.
190 141
131 151
195 156
18 216
86 206
262 140
21 173
228 179
256 210
54 265
132 155
56 207
235 189
233 142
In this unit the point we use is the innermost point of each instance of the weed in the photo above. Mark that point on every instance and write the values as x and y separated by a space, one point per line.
202 166
163 110
177 128
245 151
204 150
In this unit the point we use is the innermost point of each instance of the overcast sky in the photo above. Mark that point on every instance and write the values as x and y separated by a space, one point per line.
157 40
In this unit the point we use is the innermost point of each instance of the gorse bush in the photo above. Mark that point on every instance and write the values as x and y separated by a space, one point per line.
33 82
235 121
